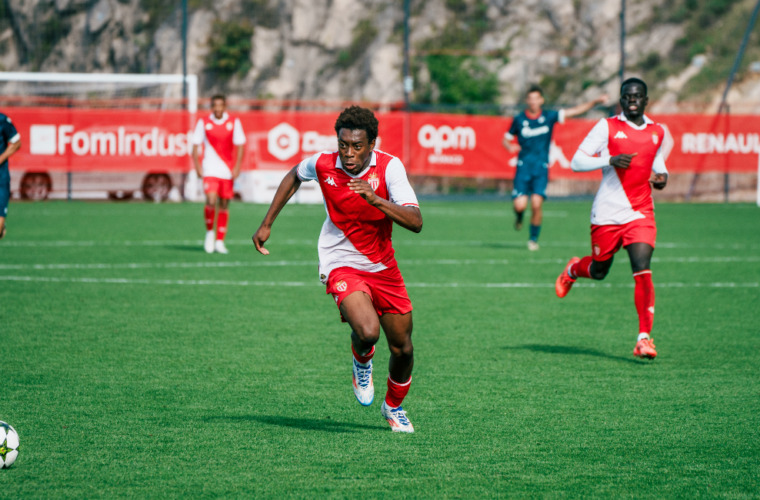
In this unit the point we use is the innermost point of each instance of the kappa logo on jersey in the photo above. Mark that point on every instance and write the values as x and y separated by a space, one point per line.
341 286
209 126
331 182
621 135
374 181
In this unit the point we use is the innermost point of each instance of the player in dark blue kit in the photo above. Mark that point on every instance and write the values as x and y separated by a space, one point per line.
533 130
10 142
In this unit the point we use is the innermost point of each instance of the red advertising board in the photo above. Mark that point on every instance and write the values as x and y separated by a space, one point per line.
100 140
430 144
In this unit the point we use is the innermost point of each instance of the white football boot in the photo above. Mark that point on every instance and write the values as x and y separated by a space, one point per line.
220 247
208 243
364 389
396 417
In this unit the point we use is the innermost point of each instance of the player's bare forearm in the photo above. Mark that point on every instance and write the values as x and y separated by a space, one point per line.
408 217
238 162
197 162
12 148
287 188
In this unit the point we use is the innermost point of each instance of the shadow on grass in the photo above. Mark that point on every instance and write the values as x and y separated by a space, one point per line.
573 350
307 424
186 248
516 245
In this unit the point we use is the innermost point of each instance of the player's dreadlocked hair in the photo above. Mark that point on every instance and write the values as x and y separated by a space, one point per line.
629 81
356 118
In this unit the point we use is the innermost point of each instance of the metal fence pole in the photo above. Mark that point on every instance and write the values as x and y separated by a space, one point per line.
622 41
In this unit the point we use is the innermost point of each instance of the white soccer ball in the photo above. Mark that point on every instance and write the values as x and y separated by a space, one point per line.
8 445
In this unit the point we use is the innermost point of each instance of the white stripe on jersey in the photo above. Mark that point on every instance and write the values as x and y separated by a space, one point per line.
213 165
611 205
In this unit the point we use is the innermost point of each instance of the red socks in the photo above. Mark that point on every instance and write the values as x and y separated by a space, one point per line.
643 297
209 213
221 224
363 359
396 392
581 268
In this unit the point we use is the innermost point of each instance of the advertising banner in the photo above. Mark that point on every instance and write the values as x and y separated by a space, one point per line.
74 140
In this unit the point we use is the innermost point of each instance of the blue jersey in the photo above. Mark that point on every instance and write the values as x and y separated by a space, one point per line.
535 138
7 133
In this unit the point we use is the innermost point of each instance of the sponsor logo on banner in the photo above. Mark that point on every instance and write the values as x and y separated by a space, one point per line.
707 143
374 181
284 141
51 140
445 138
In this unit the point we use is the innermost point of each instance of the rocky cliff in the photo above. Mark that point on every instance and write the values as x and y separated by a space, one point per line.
462 51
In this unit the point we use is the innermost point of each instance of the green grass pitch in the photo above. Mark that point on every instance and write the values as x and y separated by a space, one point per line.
135 365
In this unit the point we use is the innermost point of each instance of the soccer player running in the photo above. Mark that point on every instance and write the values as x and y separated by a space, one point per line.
222 138
533 129
629 153
10 142
365 192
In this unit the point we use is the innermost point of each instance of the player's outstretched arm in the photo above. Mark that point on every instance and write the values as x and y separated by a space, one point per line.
289 185
408 217
586 106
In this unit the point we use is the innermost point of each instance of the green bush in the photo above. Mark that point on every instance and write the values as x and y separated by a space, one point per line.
229 48
462 80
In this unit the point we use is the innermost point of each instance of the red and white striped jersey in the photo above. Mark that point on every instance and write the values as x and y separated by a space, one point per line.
219 139
625 194
356 234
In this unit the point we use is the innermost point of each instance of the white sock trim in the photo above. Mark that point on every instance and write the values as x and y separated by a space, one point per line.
400 385
643 335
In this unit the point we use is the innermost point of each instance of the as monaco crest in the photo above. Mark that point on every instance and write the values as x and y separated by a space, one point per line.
655 139
374 181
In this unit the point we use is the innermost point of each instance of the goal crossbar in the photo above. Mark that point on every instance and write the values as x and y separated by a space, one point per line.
134 78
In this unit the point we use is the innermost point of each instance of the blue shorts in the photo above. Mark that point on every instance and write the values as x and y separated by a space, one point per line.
5 191
527 183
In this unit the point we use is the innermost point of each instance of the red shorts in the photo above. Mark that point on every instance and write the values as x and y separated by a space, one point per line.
386 289
607 240
220 187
